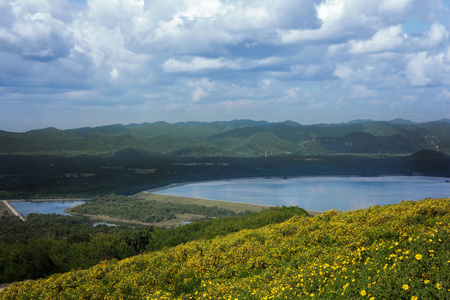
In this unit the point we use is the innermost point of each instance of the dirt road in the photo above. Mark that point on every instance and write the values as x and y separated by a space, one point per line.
14 211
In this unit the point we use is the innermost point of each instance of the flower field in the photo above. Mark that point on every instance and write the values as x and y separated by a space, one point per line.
384 252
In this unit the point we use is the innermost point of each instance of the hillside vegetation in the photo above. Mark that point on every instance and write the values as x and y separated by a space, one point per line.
390 252
244 138
145 210
48 244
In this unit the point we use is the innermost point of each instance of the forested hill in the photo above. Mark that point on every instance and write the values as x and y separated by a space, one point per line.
233 138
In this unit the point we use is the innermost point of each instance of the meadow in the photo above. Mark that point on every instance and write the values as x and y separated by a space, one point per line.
384 252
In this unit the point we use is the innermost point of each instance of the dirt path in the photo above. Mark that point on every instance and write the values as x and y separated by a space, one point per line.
14 211
4 286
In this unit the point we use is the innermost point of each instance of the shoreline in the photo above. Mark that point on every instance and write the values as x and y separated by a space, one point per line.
177 184
312 212
48 200
309 211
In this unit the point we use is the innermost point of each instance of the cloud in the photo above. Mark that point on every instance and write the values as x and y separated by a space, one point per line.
201 89
174 59
437 35
443 96
114 74
393 6
386 39
427 69
361 92
347 73
197 64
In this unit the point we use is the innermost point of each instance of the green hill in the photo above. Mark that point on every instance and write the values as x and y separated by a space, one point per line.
390 252
234 138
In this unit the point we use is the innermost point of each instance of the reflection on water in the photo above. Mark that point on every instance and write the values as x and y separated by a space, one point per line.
319 193
44 207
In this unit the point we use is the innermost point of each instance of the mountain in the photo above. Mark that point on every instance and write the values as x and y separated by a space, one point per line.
234 138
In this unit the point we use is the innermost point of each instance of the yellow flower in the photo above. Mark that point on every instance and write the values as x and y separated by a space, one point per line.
418 256
438 286
414 298
405 287
372 298
363 293
426 281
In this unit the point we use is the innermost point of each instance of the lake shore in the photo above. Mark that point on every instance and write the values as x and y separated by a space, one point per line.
315 192
48 200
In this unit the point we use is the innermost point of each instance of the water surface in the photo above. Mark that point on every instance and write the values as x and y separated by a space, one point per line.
318 193
44 207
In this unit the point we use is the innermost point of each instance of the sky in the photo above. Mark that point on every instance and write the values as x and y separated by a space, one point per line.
77 63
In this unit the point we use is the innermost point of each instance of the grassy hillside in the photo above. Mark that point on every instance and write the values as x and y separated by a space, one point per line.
47 244
390 252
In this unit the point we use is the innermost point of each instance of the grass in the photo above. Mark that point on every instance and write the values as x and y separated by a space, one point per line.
4 210
234 206
180 218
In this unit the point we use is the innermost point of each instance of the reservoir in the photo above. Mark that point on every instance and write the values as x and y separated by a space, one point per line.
318 193
44 207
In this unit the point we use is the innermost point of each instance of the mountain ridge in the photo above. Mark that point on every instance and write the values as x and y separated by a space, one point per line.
229 137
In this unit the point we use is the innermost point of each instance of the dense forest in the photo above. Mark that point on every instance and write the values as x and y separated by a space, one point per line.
48 244
146 211
24 177
238 138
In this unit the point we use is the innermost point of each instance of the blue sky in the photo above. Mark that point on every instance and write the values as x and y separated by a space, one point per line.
71 63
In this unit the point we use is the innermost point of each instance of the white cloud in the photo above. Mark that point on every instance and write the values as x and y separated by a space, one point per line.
384 40
347 73
361 92
435 36
394 6
184 51
114 74
201 88
425 69
197 64
329 13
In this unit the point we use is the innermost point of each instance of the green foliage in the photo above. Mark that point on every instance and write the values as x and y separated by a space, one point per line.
146 211
48 244
234 138
222 226
389 252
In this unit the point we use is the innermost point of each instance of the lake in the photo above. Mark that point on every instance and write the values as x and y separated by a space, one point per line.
44 207
318 193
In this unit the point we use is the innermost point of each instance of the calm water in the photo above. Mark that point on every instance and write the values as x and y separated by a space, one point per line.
318 193
38 207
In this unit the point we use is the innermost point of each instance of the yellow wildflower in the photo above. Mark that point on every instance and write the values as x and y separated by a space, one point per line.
418 256
363 293
438 286
405 287
414 298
